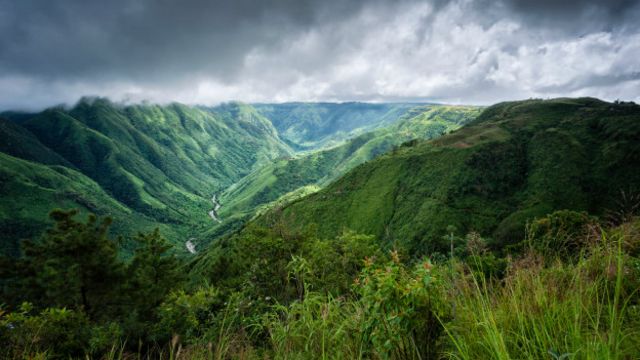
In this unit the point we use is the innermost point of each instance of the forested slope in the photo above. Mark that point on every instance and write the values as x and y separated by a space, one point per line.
516 161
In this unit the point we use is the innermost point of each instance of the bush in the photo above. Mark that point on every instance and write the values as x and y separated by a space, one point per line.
401 309
187 315
395 313
57 331
335 263
562 233
488 265
320 326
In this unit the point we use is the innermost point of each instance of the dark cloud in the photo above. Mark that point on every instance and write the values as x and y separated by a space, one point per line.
271 50
577 16
606 9
142 38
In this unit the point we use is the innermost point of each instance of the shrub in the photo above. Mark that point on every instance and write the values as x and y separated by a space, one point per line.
320 326
59 332
488 265
401 309
562 233
186 315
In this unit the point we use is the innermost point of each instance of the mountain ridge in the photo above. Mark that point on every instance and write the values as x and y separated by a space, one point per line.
164 163
517 161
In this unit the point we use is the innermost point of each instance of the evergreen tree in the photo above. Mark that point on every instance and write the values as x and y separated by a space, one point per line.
74 265
154 272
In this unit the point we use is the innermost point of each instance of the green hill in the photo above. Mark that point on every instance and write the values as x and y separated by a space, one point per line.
20 142
33 188
162 163
161 152
516 161
309 126
285 176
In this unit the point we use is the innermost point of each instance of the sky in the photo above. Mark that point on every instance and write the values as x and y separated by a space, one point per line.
212 51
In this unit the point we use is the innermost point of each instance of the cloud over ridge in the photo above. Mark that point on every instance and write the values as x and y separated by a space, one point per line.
199 51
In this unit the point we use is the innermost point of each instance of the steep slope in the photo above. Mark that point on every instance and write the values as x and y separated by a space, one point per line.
163 162
516 161
29 190
308 126
158 160
274 180
19 142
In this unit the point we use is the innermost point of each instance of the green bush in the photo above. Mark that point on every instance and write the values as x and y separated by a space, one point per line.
335 263
401 309
395 313
58 332
320 326
562 233
488 265
187 315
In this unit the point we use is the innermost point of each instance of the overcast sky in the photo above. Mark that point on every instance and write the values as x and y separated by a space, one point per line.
206 52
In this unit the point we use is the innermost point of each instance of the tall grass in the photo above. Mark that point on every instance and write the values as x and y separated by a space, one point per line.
583 307
320 327
576 310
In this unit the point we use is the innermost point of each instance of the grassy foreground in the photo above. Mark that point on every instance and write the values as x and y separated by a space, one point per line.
541 309
577 304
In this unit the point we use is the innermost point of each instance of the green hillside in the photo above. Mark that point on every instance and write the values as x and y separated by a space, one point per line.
161 152
285 176
19 142
163 163
308 126
516 161
31 189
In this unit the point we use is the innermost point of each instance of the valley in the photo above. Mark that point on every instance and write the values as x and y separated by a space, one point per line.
156 164
515 162
189 226
331 180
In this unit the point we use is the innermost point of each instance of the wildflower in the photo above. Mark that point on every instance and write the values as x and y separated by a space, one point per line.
395 257
368 261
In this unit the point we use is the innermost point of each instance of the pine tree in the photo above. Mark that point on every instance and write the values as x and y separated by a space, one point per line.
74 265
154 272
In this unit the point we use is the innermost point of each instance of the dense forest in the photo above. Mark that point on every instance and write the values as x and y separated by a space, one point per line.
433 232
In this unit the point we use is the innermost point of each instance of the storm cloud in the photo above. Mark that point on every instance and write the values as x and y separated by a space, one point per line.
199 51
